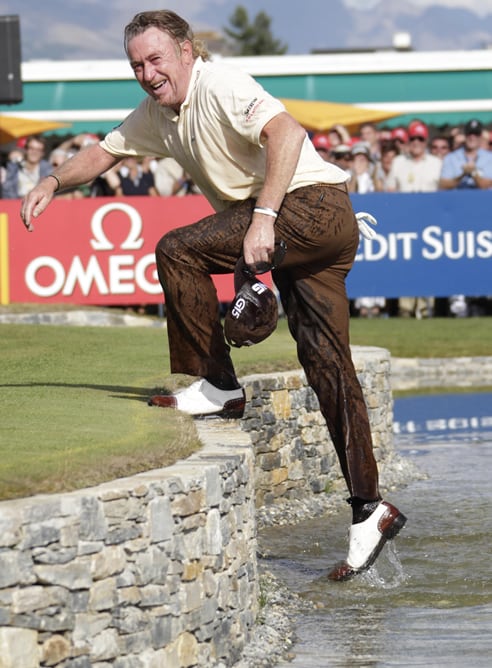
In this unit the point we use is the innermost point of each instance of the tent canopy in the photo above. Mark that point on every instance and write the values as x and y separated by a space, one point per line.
320 116
14 127
314 115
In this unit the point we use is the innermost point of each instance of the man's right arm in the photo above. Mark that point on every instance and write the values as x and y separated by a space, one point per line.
449 184
82 168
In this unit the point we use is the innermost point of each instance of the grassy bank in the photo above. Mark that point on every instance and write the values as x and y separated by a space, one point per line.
73 400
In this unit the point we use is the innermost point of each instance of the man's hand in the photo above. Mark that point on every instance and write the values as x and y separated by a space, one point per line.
36 201
283 138
259 241
83 167
469 168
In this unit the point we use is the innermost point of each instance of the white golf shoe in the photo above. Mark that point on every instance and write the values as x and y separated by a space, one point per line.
203 400
367 539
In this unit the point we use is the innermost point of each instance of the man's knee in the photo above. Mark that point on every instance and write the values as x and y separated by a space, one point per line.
170 246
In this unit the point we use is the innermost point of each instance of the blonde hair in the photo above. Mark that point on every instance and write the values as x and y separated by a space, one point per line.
168 22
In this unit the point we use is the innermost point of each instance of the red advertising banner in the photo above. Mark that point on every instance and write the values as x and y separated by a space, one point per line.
101 251
94 250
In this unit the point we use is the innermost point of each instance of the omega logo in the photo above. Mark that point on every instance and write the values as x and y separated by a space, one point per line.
115 274
133 241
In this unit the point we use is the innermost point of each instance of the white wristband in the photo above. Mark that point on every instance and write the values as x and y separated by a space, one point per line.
266 210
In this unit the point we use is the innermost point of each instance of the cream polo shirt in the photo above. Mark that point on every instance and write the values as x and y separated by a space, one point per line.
216 136
411 176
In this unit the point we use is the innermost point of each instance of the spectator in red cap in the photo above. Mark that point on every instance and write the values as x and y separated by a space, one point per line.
418 170
400 137
322 145
412 172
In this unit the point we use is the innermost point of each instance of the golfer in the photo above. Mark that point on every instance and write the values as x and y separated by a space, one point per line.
260 172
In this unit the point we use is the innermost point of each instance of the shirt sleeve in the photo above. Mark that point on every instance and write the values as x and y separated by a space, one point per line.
136 135
451 167
484 163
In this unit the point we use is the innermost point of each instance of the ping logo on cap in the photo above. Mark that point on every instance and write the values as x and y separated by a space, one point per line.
253 313
240 302
238 307
259 288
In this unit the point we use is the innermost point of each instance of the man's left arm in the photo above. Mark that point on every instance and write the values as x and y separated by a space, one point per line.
283 138
482 181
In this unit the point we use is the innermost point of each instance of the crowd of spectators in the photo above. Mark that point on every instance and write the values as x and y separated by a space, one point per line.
32 158
412 158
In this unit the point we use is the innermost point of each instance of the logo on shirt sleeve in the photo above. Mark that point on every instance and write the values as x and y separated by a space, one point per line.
252 108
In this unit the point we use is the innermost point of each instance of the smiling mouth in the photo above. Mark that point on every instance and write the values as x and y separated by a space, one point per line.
158 86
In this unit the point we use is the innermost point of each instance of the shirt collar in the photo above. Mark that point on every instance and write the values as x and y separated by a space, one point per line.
195 75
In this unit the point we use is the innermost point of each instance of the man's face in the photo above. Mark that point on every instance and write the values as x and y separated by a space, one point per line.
368 134
473 141
439 147
162 66
34 151
417 146
360 163
387 160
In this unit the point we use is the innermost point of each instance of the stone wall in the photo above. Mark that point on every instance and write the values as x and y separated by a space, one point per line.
413 373
294 454
160 569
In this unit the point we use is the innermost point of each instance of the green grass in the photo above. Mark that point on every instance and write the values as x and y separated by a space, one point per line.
73 409
435 337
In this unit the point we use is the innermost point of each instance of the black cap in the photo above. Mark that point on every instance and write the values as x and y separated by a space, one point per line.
473 127
253 313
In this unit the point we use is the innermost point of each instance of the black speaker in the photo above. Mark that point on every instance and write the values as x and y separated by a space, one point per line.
10 60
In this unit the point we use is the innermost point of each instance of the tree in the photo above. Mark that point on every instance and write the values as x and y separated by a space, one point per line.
253 39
